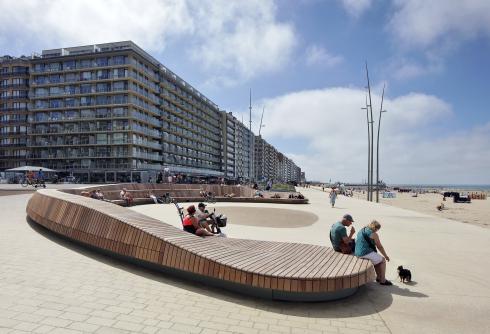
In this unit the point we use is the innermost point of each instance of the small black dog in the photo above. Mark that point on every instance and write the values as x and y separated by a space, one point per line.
404 274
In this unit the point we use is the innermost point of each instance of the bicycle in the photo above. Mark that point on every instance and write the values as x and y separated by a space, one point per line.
32 182
26 182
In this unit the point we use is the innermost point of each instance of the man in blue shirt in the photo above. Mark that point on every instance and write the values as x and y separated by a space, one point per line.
338 235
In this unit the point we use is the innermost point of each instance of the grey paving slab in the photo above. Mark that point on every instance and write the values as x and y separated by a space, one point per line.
49 285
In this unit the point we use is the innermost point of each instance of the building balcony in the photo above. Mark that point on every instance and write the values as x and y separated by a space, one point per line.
79 67
14 73
16 86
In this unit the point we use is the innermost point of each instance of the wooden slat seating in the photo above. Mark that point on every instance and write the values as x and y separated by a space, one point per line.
187 193
276 270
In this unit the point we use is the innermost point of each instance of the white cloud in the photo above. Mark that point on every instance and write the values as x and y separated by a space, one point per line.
319 56
427 24
65 23
242 39
402 68
238 40
331 121
435 29
356 8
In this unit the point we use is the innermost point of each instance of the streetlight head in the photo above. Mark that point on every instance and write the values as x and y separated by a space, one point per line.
384 110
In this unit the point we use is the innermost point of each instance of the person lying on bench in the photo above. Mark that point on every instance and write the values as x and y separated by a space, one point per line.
191 225
155 199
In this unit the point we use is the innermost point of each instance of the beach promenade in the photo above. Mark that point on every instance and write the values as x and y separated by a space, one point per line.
48 285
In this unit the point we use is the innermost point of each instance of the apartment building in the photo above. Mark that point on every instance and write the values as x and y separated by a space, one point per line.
238 147
270 164
14 90
113 113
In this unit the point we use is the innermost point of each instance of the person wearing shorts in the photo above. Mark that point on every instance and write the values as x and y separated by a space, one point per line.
367 246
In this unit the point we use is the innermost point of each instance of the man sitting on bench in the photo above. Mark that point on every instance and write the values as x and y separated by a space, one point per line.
204 218
338 235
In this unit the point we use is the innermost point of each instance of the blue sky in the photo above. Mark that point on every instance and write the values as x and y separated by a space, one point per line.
304 61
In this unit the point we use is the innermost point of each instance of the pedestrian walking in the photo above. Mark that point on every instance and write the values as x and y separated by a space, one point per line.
333 197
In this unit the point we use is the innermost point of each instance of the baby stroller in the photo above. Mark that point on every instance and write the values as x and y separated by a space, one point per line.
219 221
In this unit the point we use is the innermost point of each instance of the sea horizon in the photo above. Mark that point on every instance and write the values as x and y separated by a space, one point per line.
443 186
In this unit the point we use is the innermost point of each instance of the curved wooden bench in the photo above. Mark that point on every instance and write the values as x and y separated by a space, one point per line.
275 270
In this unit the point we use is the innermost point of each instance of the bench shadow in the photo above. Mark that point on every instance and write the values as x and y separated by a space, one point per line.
369 299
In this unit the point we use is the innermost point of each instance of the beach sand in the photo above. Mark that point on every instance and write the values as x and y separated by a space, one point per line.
477 212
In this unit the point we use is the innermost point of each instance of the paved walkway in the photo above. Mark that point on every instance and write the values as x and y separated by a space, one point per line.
48 285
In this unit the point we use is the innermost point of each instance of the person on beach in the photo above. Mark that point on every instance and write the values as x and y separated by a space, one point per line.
367 246
191 225
333 196
338 235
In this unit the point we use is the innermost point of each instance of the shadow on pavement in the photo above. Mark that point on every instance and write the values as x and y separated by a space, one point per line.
369 299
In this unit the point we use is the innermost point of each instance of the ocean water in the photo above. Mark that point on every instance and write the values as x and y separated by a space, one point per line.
467 187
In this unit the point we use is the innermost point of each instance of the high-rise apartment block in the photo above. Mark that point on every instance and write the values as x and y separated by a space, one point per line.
270 164
14 99
111 113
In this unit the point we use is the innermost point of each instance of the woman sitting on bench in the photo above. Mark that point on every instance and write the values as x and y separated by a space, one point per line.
191 225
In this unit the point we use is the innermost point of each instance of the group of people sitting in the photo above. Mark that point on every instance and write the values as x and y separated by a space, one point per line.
258 194
206 194
366 244
296 196
165 198
95 194
200 222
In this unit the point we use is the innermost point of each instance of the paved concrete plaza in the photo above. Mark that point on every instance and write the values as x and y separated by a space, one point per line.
48 285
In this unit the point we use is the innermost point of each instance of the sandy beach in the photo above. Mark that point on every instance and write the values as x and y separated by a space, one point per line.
477 212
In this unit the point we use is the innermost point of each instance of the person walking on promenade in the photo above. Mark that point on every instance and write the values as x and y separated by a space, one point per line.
338 235
333 196
367 246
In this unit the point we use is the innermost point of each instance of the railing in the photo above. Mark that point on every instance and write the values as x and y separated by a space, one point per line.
77 92
147 156
93 65
13 145
22 85
78 79
13 121
20 97
39 119
76 104
14 73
